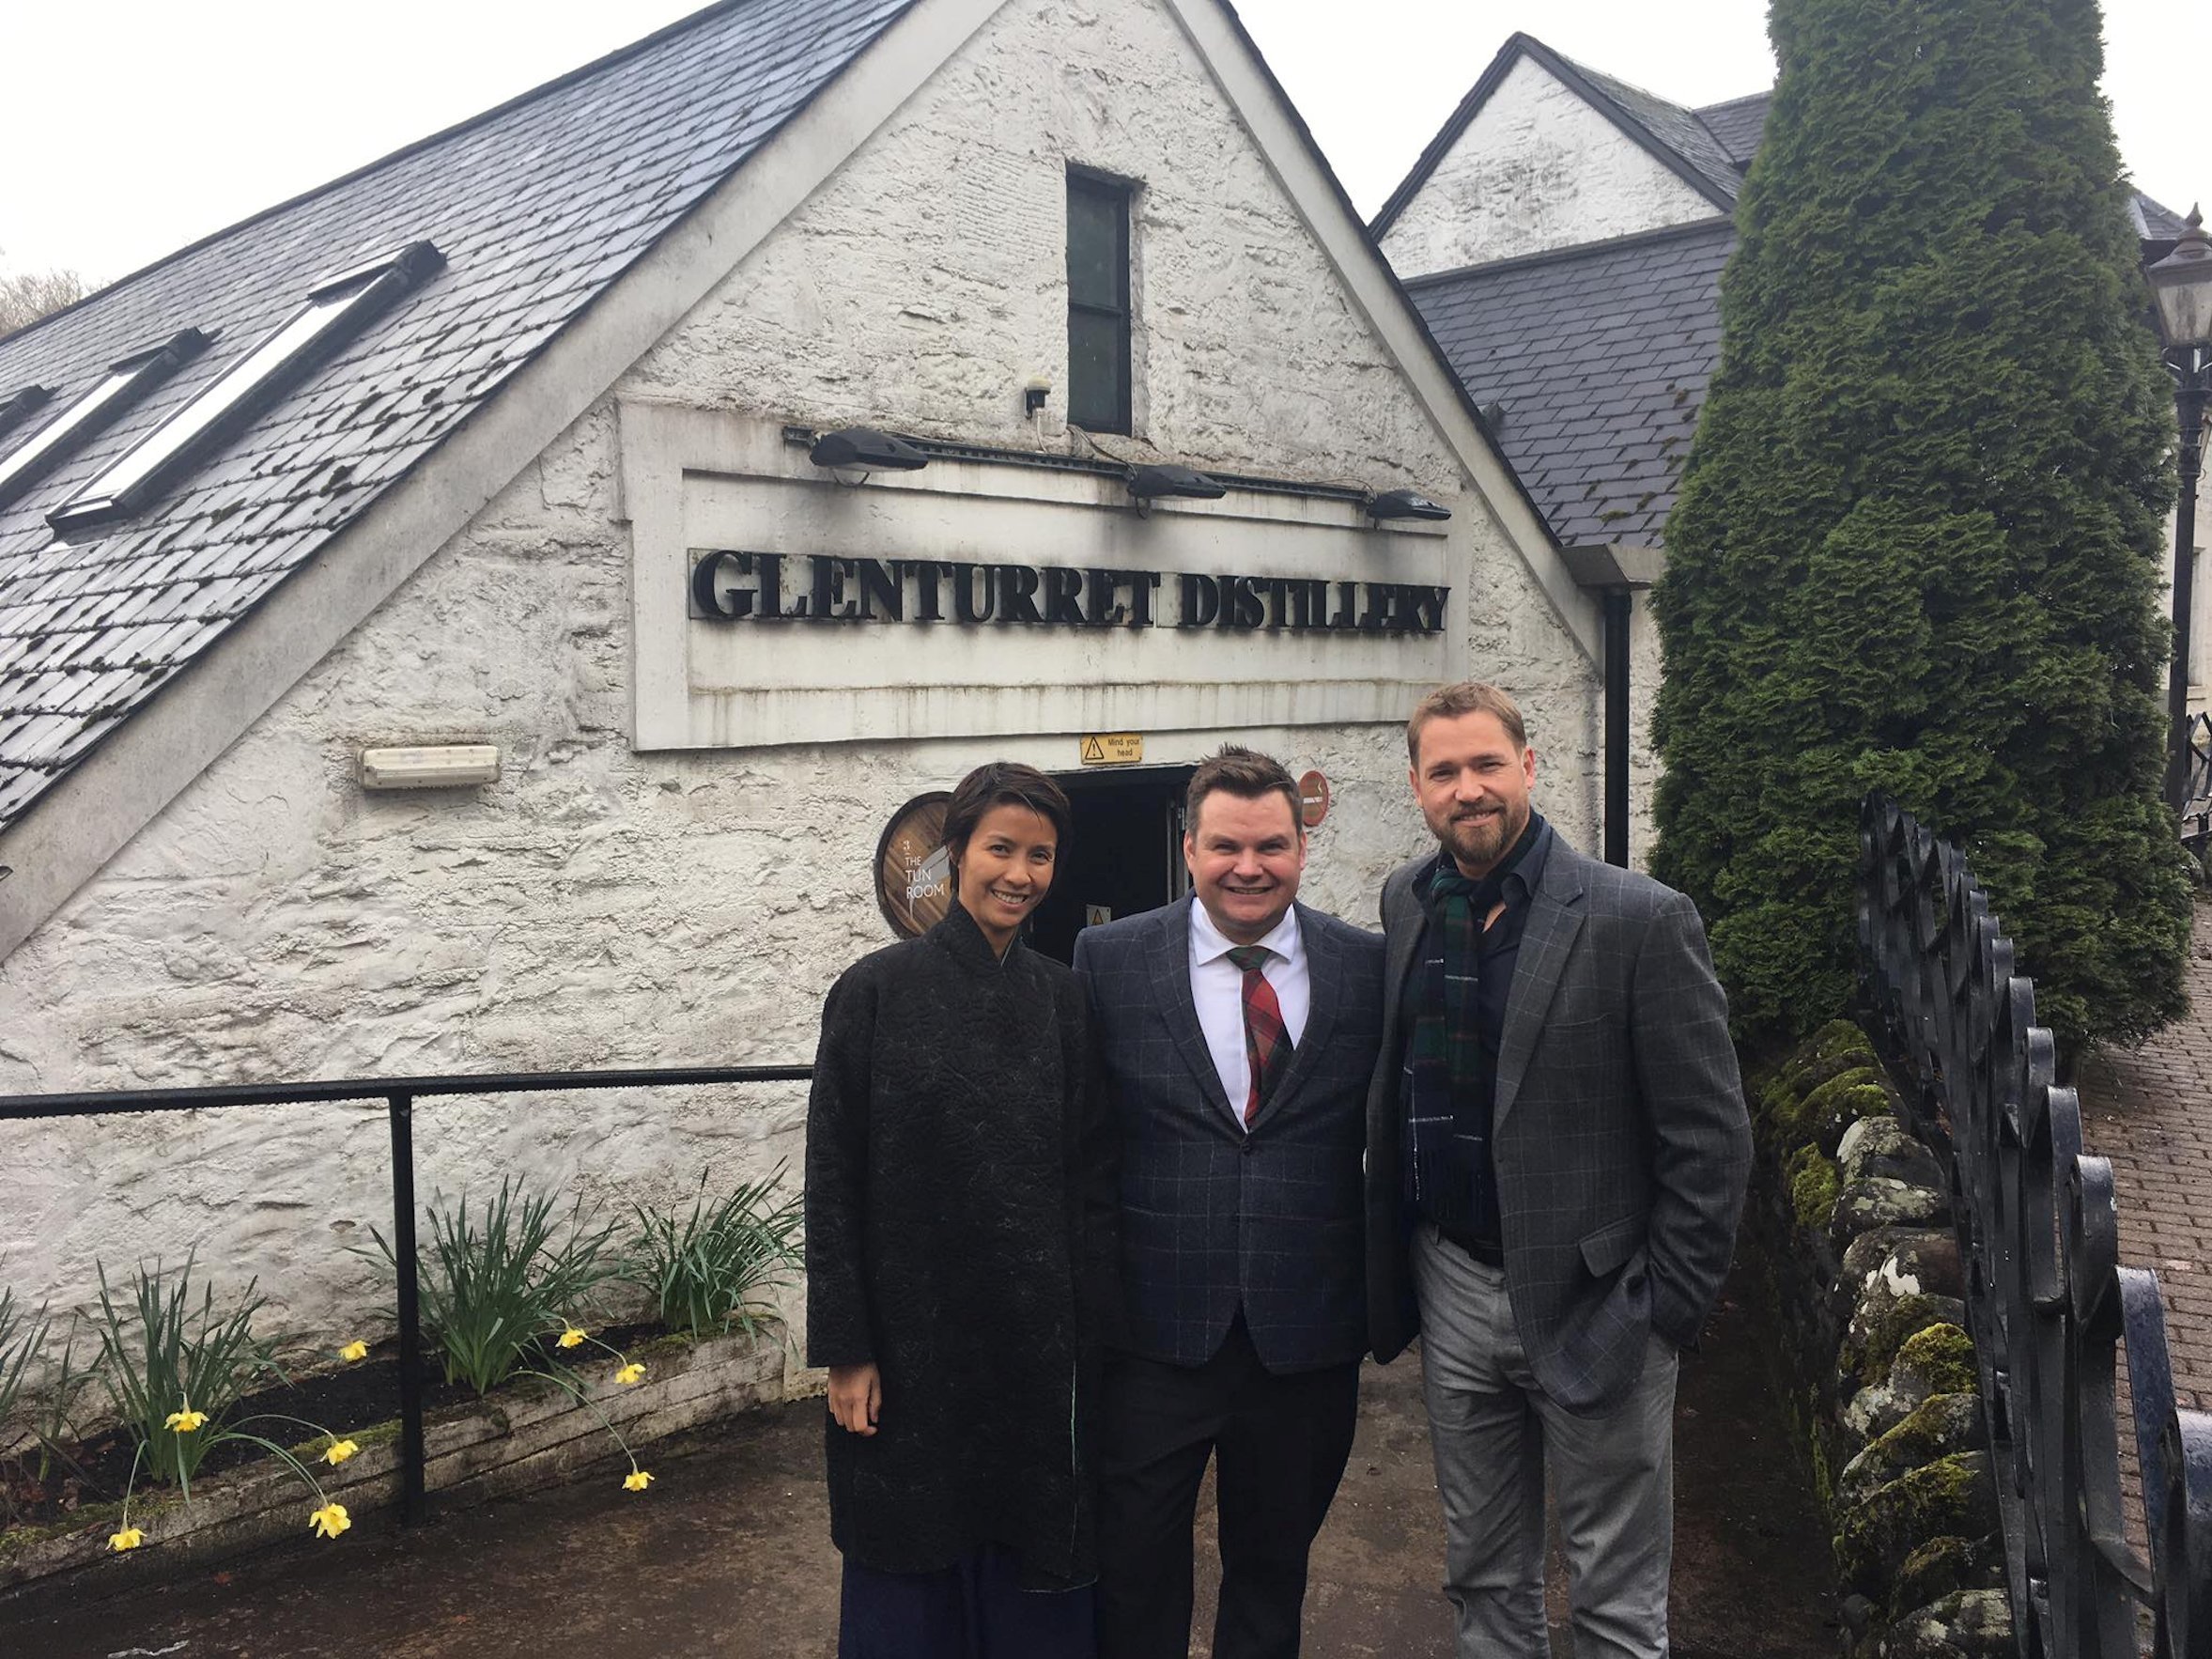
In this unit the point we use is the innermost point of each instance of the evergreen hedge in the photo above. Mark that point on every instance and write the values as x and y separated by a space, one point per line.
1919 539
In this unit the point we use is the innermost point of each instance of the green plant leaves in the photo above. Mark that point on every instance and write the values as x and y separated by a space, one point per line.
703 1269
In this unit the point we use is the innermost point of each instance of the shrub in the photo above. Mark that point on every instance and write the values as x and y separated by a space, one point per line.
21 1336
703 1269
497 1286
1919 539
174 1375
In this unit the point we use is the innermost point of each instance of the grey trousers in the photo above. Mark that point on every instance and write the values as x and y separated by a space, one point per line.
1495 1435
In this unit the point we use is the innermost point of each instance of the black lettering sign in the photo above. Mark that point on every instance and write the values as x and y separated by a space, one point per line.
730 585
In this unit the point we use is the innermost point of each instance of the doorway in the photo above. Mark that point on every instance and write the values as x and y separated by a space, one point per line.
1124 854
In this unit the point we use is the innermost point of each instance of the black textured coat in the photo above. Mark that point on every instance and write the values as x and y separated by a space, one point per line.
960 1205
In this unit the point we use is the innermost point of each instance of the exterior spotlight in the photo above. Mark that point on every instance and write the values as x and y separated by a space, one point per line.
1147 483
864 449
1404 504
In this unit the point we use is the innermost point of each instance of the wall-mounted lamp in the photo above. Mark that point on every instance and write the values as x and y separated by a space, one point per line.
1034 395
863 449
450 766
1147 483
1404 504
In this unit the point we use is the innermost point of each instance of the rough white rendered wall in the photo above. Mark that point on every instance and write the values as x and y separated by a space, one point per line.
598 907
1536 168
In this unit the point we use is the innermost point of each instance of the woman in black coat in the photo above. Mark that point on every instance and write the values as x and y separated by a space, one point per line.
960 1201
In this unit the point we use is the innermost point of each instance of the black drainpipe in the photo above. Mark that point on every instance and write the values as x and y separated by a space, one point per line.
1620 607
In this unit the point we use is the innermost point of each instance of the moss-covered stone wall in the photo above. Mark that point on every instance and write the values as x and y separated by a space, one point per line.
1849 1225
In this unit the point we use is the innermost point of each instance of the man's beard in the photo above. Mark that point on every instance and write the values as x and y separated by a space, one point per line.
1480 843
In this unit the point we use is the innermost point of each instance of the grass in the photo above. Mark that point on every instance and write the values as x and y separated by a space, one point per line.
703 1269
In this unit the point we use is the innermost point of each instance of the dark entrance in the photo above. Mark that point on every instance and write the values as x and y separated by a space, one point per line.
1125 854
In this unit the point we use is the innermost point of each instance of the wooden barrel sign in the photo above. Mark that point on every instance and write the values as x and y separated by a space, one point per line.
913 875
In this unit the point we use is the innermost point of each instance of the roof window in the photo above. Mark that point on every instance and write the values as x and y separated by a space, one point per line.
337 309
16 406
124 384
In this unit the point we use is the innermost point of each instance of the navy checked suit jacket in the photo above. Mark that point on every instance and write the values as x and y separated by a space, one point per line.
1215 1217
1619 1131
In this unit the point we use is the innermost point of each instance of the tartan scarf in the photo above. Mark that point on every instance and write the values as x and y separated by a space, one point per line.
1447 1117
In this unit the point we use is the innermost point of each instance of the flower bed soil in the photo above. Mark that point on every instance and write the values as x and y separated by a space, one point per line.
347 1401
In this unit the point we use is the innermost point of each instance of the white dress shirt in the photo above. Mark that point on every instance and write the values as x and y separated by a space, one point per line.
1217 988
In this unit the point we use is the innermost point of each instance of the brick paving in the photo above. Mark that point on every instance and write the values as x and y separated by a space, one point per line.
2149 1110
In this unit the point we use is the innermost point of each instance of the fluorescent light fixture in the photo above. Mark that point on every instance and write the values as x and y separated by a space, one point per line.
1149 483
453 765
864 449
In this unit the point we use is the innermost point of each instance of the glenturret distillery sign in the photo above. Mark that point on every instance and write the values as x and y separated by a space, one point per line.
828 587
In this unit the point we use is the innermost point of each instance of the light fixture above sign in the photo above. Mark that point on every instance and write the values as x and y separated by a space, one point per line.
863 449
1404 504
1149 483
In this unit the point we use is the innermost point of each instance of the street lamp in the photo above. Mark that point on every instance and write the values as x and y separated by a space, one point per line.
2181 284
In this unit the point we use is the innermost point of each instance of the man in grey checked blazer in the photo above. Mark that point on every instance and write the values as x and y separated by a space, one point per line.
1242 1221
1558 1232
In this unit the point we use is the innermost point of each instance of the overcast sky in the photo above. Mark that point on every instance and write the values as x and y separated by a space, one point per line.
158 121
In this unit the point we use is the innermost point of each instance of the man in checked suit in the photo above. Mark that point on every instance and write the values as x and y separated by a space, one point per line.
1557 1152
1239 1031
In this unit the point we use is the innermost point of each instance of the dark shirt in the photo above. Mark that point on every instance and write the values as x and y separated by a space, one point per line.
1471 1218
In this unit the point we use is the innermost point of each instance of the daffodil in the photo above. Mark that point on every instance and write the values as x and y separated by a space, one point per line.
352 1351
129 1538
571 1338
329 1521
340 1450
636 1480
632 1372
185 1421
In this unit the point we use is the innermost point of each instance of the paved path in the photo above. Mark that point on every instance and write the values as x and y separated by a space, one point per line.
2149 1110
729 1554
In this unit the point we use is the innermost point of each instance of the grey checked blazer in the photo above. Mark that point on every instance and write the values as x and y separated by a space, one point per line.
1619 1131
1214 1217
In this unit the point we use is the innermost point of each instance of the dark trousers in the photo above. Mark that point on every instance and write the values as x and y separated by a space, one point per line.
974 1610
1280 1442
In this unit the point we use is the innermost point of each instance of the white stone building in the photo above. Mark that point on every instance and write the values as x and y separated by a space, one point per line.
1563 236
504 443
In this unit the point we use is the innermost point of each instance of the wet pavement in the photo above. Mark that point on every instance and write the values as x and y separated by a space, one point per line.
729 1554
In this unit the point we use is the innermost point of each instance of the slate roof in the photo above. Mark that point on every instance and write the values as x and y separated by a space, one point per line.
1600 356
537 205
1737 124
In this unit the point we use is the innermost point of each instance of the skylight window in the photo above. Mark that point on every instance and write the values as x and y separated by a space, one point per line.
16 406
337 309
124 384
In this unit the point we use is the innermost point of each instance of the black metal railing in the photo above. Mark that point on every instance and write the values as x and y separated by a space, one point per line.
2196 789
2047 1298
399 1095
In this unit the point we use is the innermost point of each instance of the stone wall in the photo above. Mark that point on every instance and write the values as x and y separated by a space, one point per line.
1536 168
599 906
1849 1221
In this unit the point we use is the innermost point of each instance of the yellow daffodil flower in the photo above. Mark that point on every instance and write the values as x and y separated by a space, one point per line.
129 1538
353 1351
571 1337
636 1480
340 1450
631 1373
185 1421
329 1521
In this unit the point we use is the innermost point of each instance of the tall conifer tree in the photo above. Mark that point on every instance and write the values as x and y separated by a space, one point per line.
1918 540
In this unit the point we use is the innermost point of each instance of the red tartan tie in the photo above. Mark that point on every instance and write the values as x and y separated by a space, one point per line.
1267 1044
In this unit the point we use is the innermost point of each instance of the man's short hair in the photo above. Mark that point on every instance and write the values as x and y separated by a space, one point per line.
1246 773
1467 697
1003 783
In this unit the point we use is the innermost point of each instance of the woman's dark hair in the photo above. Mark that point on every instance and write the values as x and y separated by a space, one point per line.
1003 783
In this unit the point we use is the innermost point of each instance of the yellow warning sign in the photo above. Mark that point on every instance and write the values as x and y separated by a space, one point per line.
1113 749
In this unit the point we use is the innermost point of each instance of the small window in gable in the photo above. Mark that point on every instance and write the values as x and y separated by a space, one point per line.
1098 303
123 385
337 309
